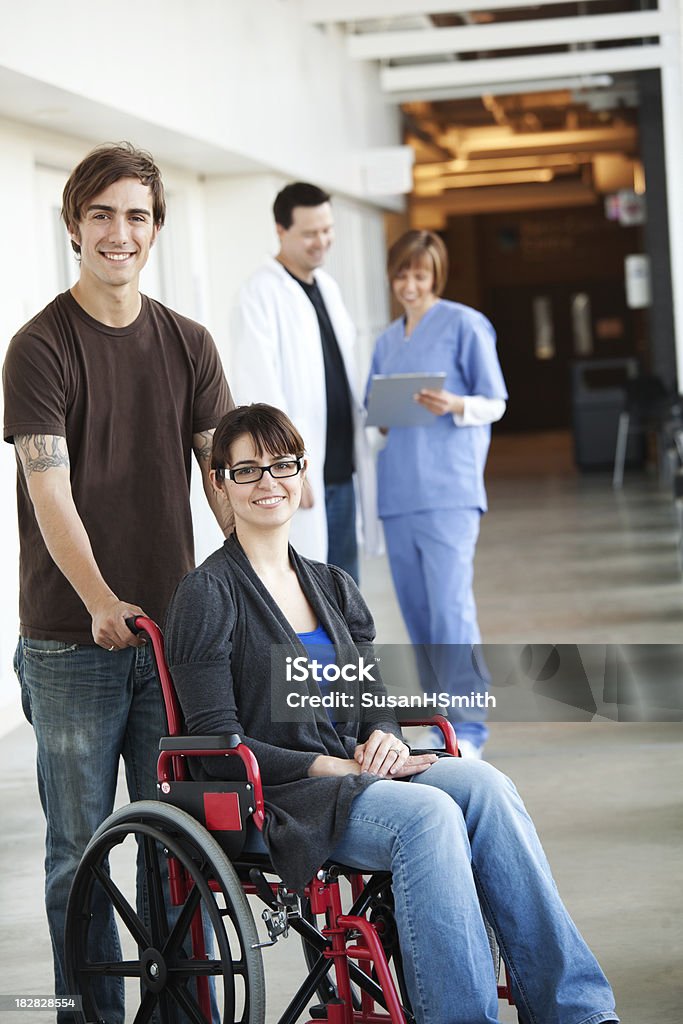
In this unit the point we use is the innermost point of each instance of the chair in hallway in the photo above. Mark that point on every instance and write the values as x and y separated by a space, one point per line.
648 407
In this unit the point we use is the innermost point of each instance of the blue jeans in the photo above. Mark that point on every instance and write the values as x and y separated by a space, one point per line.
342 546
458 840
88 707
431 556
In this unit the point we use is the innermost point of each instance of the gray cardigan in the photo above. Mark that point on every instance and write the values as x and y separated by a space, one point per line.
220 627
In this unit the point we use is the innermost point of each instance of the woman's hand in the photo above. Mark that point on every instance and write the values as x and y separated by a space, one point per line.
440 402
326 766
415 764
385 755
382 754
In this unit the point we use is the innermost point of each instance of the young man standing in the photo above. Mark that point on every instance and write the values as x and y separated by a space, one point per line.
96 386
292 347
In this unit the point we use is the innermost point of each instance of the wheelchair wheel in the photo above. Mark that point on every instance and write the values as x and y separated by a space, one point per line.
197 961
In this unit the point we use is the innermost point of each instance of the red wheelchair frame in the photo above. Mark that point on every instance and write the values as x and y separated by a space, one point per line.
357 947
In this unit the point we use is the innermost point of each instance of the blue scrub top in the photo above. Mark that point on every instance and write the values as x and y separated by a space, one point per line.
439 466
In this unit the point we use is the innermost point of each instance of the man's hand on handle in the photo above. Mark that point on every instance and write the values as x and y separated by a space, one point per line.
109 627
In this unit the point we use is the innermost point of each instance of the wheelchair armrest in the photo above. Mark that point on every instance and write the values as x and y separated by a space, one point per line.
227 741
442 723
173 748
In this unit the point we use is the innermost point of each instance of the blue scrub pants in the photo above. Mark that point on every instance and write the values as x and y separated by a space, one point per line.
431 555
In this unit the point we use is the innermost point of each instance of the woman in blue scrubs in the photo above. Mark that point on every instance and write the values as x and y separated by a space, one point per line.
431 478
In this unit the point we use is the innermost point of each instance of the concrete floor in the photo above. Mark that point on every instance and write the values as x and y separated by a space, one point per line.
561 559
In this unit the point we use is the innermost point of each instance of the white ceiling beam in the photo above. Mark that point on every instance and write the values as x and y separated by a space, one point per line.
508 35
321 12
575 83
413 78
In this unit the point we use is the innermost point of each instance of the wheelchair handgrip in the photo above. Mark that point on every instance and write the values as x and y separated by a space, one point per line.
442 723
132 623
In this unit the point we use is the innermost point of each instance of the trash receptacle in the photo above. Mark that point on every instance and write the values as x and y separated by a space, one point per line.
598 393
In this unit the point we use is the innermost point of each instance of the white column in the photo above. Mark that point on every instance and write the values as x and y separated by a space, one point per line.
672 115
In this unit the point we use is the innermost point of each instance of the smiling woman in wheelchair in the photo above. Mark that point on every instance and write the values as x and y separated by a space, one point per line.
457 839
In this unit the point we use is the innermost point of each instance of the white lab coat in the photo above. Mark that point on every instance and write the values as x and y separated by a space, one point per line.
276 357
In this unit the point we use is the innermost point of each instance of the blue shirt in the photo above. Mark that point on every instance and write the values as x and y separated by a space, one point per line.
319 647
439 466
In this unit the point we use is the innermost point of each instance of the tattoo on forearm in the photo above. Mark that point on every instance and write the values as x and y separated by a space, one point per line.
203 444
38 452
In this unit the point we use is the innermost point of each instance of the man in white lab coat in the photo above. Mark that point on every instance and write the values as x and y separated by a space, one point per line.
292 346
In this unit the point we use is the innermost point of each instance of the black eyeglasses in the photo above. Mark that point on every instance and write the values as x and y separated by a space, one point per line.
280 470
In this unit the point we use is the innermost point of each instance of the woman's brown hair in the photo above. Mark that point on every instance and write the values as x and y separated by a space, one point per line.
412 248
270 429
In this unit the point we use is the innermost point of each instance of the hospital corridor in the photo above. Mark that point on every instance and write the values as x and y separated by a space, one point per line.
605 795
393 287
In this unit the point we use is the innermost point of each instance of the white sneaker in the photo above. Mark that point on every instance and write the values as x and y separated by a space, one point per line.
470 750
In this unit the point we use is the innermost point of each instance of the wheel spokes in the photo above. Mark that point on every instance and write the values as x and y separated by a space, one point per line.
129 916
179 930
195 968
113 969
155 890
146 1008
187 1003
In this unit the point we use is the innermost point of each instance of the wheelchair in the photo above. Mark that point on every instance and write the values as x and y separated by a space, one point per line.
196 954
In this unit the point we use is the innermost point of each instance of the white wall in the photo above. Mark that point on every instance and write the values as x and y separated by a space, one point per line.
20 288
357 261
245 76
240 231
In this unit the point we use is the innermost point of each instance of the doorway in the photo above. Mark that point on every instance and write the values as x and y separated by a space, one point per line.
540 202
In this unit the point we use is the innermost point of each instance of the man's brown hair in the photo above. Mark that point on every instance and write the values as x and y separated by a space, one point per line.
414 247
103 166
270 429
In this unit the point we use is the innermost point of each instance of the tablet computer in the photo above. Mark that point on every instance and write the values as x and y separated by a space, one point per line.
391 402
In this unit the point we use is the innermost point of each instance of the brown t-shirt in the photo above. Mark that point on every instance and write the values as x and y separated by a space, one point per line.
128 401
